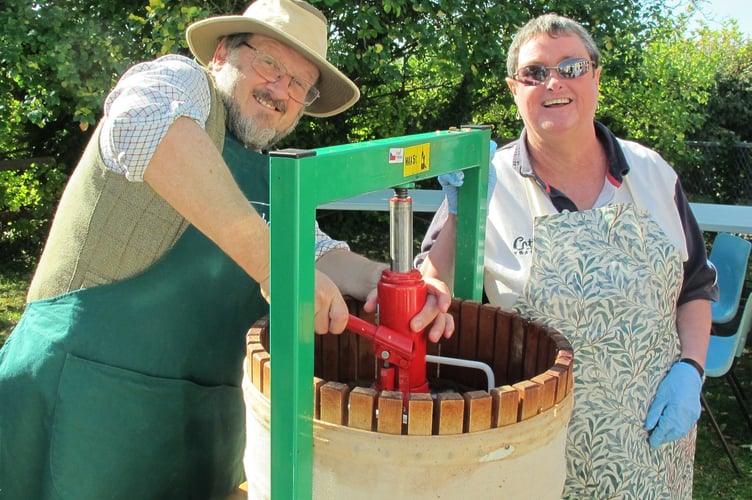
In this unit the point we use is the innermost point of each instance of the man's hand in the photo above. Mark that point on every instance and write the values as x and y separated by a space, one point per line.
676 406
330 310
437 304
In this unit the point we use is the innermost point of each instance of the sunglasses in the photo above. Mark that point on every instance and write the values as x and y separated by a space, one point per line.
537 74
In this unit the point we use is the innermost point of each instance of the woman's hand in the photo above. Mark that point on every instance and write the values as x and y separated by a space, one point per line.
434 312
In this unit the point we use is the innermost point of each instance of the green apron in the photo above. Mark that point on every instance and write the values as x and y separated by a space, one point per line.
131 390
609 280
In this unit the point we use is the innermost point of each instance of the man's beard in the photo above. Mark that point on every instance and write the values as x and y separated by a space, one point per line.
245 129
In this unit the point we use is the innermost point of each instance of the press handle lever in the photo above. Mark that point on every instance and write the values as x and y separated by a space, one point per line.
400 345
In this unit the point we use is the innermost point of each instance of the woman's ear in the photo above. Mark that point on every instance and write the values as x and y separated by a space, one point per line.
511 83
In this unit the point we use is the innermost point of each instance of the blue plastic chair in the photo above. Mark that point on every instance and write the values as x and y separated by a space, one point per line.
729 255
723 352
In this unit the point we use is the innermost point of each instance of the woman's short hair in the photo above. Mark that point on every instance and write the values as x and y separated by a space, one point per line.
554 26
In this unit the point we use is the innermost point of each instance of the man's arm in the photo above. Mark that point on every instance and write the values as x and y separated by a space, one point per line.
190 174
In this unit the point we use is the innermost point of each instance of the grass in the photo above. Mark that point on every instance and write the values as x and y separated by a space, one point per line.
714 475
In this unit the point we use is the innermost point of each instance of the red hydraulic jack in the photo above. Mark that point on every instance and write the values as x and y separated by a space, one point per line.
400 352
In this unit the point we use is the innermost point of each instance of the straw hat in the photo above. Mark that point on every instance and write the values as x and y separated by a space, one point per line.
292 22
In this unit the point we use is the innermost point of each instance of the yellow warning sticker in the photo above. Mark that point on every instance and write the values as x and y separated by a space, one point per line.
417 159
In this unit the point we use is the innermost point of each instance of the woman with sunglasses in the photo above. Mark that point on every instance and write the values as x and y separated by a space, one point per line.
592 235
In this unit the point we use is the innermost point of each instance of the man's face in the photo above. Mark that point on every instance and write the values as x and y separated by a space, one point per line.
260 112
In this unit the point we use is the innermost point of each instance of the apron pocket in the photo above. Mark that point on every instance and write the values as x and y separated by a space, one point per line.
122 434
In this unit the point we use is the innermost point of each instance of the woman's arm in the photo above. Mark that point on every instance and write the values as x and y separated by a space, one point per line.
693 322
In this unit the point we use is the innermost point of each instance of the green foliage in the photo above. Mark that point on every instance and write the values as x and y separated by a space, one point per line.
659 99
59 61
13 286
729 116
162 28
26 200
424 65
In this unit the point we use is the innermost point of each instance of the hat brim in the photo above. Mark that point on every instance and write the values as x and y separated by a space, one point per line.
337 92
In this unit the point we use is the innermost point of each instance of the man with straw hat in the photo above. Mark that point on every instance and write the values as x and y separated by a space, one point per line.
122 378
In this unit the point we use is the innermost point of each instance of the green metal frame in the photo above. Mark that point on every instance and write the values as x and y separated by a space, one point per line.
300 182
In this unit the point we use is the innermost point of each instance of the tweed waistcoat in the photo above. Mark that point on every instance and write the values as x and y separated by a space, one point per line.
107 228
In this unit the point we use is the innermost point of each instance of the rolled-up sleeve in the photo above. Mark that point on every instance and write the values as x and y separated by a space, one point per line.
699 277
324 243
146 101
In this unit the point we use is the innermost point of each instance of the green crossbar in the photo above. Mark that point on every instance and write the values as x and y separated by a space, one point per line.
300 182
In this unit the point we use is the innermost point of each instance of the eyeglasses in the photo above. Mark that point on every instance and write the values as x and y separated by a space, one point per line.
272 71
537 74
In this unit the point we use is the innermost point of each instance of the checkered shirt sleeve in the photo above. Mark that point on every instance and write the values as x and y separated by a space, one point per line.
325 243
143 105
148 98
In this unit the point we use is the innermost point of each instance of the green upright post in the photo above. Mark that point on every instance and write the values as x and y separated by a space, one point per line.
300 182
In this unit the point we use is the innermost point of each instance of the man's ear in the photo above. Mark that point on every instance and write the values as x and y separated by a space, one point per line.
220 54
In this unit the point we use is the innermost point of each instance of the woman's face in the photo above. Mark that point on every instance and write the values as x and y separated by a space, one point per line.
557 104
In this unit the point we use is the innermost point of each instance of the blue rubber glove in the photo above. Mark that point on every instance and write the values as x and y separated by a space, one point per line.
676 406
451 182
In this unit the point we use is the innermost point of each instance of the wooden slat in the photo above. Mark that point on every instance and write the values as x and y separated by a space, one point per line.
334 402
560 374
348 357
330 357
353 306
561 341
366 362
251 351
420 414
266 378
530 357
318 355
468 342
486 334
506 404
565 359
478 406
253 337
546 351
530 399
390 413
502 342
548 389
450 414
264 331
318 383
259 358
362 412
516 349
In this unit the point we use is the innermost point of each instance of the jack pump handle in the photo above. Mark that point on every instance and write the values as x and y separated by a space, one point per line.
388 344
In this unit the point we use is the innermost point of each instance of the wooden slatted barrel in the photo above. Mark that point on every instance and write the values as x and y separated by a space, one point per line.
460 440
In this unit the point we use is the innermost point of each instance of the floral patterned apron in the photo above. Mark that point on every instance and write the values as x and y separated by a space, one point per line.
609 280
